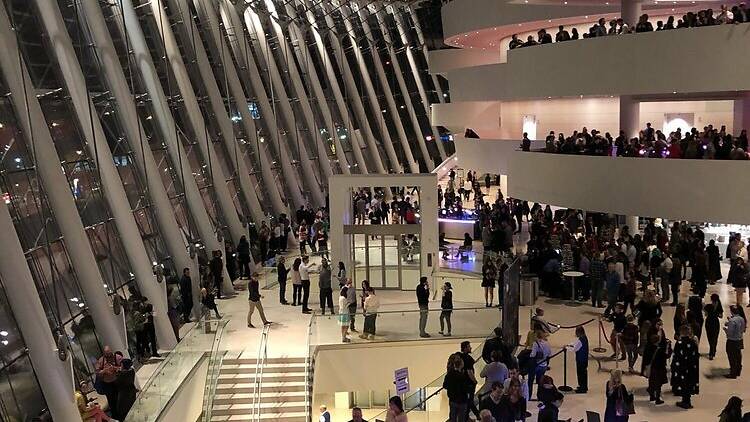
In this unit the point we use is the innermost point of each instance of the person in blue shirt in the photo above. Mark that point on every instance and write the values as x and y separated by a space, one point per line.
612 280
581 349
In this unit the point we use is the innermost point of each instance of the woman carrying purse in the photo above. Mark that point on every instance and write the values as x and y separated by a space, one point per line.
619 400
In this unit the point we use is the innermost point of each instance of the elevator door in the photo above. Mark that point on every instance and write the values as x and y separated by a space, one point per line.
378 260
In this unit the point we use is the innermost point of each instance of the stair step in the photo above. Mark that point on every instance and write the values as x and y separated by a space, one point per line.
265 408
265 397
268 387
283 417
269 368
270 360
267 378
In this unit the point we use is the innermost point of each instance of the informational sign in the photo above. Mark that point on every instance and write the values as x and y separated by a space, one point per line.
401 379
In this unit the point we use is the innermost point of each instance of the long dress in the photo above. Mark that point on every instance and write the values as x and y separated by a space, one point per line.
685 367
618 395
714 258
714 313
658 367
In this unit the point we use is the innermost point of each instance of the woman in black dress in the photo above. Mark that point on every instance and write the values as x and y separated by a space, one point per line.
714 258
685 367
657 369
700 271
714 313
695 316
617 399
489 275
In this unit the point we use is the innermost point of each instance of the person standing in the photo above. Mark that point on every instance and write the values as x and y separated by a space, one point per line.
126 391
325 415
296 283
341 274
446 306
324 284
540 353
304 275
344 314
216 266
351 303
423 300
492 402
253 301
738 279
613 287
370 308
597 271
457 385
714 312
489 275
243 257
469 369
618 399
207 299
106 369
282 272
714 262
186 294
685 367
734 329
657 371
581 349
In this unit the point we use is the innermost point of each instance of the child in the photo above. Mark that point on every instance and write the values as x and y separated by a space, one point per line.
630 337
581 349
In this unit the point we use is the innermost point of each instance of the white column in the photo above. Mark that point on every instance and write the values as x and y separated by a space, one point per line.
233 26
273 190
401 25
144 158
166 124
372 98
741 113
112 188
380 14
630 113
334 84
354 99
383 79
246 184
631 11
303 56
56 188
254 26
196 122
19 287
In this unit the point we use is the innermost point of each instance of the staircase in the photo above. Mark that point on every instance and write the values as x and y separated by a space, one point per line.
282 392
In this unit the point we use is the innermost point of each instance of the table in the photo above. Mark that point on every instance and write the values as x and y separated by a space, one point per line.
572 275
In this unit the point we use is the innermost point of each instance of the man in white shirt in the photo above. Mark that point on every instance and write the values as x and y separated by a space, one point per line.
304 274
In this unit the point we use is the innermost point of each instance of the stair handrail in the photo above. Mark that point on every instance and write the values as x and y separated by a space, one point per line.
260 364
215 361
308 362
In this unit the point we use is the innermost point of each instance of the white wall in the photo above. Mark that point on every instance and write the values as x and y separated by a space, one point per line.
616 66
441 61
695 190
187 404
504 120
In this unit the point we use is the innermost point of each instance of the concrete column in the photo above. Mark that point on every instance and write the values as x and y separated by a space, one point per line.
351 88
54 375
166 124
402 27
380 14
112 72
630 11
208 16
113 190
246 184
375 107
333 83
57 190
632 222
383 79
630 114
196 122
254 26
741 113
233 26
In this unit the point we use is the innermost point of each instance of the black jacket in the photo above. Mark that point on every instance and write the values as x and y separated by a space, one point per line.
458 386
423 295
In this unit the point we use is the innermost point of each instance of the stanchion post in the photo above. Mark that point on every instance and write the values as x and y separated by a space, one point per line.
565 387
600 349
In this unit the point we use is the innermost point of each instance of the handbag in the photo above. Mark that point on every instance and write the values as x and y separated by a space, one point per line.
629 403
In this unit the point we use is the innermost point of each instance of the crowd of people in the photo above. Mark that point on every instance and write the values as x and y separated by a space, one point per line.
115 380
707 17
372 206
708 144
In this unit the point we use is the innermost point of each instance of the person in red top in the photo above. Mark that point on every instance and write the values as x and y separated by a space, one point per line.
303 236
674 150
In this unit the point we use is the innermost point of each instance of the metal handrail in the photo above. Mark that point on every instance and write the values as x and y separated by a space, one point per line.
260 364
215 362
308 362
